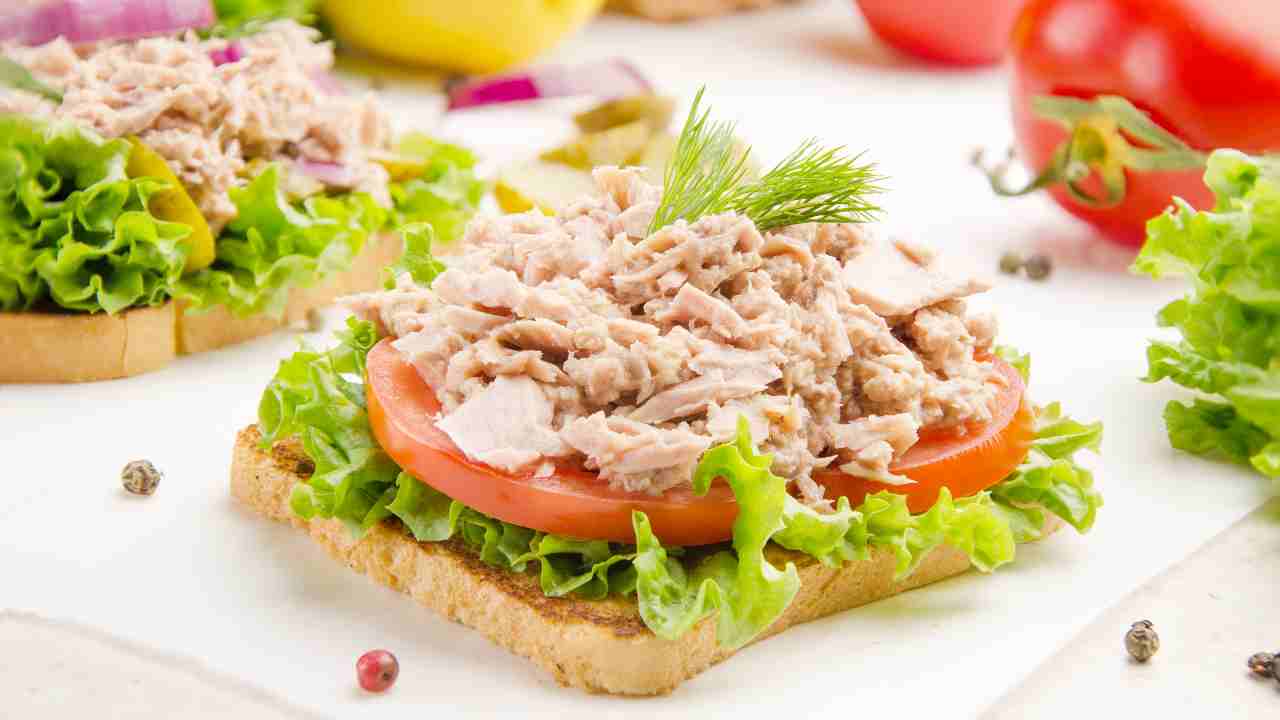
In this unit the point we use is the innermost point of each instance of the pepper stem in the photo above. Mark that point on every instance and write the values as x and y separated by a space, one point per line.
1099 142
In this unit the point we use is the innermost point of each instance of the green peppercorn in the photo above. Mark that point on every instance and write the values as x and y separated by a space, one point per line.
1011 263
1142 641
1039 267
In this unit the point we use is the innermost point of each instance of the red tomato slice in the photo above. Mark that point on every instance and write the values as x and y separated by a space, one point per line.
966 460
574 501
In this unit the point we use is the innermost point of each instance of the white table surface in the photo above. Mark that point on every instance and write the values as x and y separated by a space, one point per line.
187 575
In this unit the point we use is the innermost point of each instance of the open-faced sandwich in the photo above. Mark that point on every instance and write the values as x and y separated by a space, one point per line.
627 440
178 192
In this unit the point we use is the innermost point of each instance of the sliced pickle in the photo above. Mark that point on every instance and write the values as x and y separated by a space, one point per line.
174 204
652 109
621 145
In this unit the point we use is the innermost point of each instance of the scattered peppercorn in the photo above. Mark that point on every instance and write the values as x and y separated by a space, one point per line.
1262 664
140 477
1142 641
377 670
1038 267
1011 263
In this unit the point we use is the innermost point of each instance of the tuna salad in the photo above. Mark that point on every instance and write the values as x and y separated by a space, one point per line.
584 338
217 172
654 390
212 108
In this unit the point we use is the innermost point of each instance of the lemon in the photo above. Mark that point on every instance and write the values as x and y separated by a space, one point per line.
470 36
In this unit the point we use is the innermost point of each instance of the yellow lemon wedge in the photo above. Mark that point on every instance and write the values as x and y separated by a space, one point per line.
472 36
173 205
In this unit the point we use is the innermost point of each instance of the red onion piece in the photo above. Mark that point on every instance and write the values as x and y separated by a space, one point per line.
233 52
328 83
606 79
331 174
83 21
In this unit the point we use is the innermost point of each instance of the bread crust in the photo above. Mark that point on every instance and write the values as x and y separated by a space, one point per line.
79 347
599 645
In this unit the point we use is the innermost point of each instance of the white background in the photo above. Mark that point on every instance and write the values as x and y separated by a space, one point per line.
188 573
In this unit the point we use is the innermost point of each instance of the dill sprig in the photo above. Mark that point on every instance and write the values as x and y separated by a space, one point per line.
704 169
813 184
707 174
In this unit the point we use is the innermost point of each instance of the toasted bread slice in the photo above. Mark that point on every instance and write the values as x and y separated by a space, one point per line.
78 347
595 645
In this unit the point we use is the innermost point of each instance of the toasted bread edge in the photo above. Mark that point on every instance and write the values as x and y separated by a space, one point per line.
598 646
78 347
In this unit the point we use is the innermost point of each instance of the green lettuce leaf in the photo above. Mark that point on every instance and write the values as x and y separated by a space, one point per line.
1213 429
18 77
1050 478
74 229
446 193
748 591
237 18
318 396
1230 321
274 246
1019 360
417 259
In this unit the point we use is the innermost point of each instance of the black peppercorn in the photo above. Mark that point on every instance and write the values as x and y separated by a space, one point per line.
1142 641
140 477
1261 663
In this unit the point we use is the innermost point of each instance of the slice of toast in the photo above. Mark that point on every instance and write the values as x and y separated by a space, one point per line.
79 347
595 645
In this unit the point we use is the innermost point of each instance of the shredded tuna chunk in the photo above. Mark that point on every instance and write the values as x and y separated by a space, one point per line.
209 122
648 348
635 455
505 424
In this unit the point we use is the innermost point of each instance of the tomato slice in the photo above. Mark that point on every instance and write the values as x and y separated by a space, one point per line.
572 501
966 460
575 502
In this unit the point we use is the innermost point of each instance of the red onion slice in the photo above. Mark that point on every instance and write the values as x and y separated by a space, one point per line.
83 21
331 174
233 52
610 78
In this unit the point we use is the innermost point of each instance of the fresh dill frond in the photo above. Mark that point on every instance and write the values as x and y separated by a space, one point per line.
812 185
707 174
703 171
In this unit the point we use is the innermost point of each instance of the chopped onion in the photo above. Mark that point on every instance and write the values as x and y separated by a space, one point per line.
328 83
84 21
610 78
331 174
233 52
